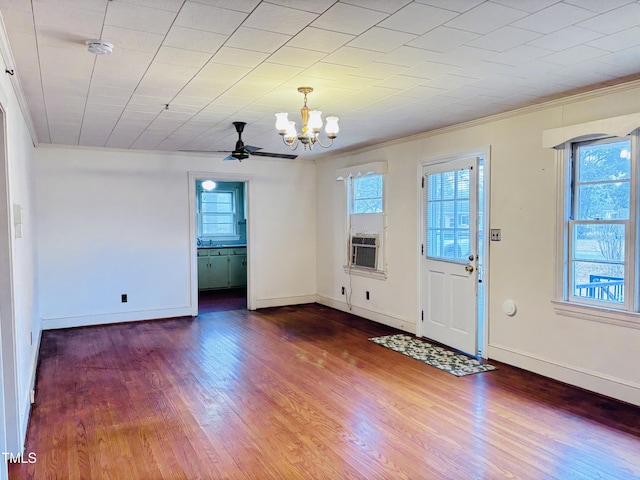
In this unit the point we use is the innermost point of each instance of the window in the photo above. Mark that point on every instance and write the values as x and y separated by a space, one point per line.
218 213
367 194
600 224
365 221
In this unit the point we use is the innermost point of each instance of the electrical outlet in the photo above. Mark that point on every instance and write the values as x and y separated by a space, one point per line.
124 298
496 234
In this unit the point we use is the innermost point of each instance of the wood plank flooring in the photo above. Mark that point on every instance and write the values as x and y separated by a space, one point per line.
300 393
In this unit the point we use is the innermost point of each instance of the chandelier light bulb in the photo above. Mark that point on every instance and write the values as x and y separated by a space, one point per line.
332 127
315 121
282 122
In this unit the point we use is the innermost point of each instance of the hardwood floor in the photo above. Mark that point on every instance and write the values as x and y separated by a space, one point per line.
300 393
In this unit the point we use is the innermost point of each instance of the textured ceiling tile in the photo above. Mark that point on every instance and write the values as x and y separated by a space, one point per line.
274 70
379 70
573 55
192 39
430 70
459 6
530 6
407 56
170 5
598 5
139 18
387 6
320 40
615 20
208 18
275 18
296 57
87 23
180 56
443 39
565 38
486 17
417 18
618 41
239 57
315 6
353 57
554 18
348 19
132 39
519 55
257 40
382 39
503 39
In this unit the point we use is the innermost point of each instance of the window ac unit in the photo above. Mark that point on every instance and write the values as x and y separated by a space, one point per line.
364 251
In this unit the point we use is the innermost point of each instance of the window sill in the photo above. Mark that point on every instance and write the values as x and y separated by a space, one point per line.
597 314
365 272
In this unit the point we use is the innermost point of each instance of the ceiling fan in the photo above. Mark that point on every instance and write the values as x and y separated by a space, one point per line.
242 151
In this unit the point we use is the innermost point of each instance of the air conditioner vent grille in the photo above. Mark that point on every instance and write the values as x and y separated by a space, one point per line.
364 251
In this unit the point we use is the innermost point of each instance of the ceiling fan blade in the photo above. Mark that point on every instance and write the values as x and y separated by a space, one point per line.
229 157
251 148
275 155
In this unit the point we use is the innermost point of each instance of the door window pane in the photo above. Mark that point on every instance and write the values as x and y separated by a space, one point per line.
448 215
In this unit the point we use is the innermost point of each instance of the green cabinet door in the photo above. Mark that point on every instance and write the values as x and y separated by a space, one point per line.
237 270
219 271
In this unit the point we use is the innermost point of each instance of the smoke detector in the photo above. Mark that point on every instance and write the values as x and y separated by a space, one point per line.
99 47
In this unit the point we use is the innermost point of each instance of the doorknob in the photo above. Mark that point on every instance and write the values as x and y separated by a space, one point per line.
469 268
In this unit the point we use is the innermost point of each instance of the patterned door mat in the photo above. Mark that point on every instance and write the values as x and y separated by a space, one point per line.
451 362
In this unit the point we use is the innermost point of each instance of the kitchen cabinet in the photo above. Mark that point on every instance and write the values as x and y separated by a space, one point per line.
222 268
238 268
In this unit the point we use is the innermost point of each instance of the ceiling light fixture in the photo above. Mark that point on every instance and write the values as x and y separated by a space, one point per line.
311 125
99 47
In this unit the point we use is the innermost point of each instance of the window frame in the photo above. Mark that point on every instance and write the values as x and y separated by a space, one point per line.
565 302
380 272
233 193
352 192
629 254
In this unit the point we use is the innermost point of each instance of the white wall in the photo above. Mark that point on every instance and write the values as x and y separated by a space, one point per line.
595 356
115 222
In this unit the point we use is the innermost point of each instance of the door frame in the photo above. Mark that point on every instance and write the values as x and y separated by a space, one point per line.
193 235
485 154
9 402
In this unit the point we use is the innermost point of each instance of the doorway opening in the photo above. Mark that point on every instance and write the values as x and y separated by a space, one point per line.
221 244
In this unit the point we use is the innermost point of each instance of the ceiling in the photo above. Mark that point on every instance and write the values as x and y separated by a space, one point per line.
387 68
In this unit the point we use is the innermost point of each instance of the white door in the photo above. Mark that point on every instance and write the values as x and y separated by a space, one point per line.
449 259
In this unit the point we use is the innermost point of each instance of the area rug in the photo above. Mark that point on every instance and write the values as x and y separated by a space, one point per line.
451 362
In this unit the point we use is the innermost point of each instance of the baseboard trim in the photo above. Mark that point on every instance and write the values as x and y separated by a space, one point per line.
25 401
283 301
603 384
108 318
383 318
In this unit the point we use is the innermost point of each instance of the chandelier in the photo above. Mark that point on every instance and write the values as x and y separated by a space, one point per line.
311 126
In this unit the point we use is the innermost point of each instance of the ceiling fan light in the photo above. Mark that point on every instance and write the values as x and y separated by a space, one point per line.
315 121
332 127
282 122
